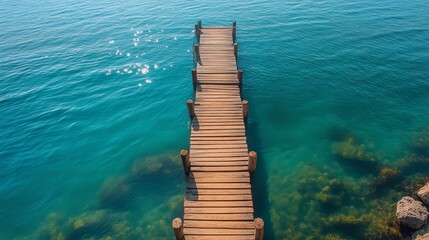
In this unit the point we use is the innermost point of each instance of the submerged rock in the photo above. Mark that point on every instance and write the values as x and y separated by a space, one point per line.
411 213
423 193
422 234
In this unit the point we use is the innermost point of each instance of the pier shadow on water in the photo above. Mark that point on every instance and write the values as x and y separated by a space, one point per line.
259 179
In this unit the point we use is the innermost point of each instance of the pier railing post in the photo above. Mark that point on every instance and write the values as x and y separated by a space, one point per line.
259 228
235 49
185 160
252 161
191 109
197 51
178 228
194 77
240 78
245 109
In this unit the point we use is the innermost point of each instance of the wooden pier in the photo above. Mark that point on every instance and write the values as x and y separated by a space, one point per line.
218 166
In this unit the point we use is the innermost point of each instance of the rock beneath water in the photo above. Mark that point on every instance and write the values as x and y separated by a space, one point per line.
411 213
422 234
423 193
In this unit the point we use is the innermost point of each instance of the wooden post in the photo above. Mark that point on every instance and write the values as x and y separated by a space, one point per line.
194 77
235 49
252 161
200 26
178 228
245 109
240 77
259 228
191 109
234 24
185 160
197 51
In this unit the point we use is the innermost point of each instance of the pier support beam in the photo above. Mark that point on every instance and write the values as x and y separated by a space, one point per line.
185 160
240 77
245 109
197 51
235 49
252 161
191 108
197 32
194 77
259 228
178 228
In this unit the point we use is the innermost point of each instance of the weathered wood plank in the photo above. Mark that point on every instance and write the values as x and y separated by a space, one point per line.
206 197
219 224
219 191
218 203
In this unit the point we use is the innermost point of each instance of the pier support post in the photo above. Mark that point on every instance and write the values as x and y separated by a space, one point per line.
252 161
185 160
234 24
245 109
199 24
194 77
235 49
259 228
178 228
240 78
197 51
191 109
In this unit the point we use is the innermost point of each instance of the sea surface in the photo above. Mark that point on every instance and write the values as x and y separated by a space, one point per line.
93 114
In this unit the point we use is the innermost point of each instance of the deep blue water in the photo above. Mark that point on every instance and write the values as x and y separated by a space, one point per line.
90 91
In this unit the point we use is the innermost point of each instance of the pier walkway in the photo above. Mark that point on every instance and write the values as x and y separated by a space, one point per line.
218 166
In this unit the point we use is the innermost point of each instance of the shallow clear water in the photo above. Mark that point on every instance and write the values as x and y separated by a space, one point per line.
92 106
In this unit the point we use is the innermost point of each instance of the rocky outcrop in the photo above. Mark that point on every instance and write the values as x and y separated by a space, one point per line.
422 234
423 194
411 213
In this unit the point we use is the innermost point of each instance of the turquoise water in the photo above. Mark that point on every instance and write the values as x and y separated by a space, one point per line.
93 114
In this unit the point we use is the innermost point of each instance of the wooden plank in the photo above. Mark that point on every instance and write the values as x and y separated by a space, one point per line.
223 237
219 174
218 146
219 191
211 197
220 210
217 217
212 231
217 158
217 185
218 203
219 224
218 180
217 169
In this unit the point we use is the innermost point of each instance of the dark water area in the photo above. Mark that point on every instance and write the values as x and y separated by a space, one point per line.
93 114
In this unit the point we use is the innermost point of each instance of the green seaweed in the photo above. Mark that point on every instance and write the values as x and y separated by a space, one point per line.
386 179
356 155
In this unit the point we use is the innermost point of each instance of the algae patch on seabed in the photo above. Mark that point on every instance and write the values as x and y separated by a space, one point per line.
115 215
325 202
